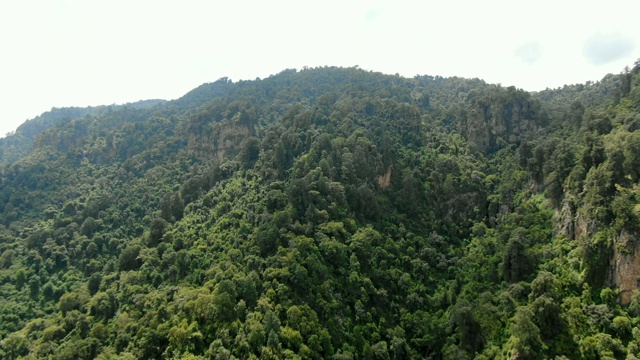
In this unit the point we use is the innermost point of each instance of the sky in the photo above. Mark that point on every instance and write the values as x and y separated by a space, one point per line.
58 53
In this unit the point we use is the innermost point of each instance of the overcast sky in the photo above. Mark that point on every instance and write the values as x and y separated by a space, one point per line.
77 53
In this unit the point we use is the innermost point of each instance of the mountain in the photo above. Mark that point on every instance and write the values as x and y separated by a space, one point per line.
19 143
327 213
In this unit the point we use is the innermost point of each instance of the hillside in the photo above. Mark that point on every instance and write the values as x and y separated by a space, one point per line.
327 213
20 143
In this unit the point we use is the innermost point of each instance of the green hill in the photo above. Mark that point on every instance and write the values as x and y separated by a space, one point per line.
327 213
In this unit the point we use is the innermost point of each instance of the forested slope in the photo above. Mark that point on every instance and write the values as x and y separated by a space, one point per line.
19 143
328 213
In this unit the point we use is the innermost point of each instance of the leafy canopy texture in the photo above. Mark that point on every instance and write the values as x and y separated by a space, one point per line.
327 213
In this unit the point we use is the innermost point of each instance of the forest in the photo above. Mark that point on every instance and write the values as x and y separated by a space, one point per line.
327 213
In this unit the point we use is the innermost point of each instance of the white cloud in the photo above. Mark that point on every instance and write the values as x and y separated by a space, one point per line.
602 48
529 52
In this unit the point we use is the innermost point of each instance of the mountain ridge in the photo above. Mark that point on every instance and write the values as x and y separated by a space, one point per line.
329 213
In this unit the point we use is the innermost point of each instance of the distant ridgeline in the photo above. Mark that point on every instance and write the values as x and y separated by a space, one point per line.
20 142
328 213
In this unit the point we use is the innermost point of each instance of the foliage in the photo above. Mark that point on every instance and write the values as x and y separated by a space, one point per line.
326 213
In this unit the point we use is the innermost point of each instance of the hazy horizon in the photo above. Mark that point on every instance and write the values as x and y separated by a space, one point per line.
71 53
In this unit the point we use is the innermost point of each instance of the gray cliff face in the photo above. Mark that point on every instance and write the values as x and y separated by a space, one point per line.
624 269
495 118
224 141
620 251
220 137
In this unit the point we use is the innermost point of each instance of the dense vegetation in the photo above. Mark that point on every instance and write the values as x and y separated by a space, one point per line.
327 213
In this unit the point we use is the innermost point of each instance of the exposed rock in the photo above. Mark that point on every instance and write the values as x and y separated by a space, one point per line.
385 180
624 271
566 220
496 118
224 141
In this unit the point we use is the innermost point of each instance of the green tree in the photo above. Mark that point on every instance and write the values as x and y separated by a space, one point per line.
525 341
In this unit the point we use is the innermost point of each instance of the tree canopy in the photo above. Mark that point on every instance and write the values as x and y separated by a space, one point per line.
327 213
